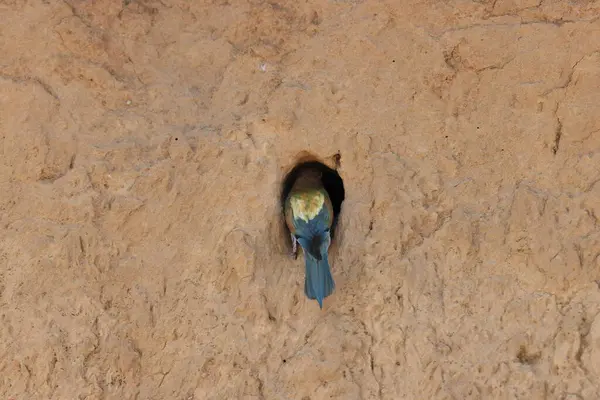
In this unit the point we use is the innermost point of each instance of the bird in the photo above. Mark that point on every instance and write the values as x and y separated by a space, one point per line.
309 216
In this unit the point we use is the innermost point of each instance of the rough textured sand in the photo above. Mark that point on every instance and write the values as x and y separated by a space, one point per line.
142 254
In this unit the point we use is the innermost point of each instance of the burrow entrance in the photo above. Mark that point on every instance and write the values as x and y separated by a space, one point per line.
332 182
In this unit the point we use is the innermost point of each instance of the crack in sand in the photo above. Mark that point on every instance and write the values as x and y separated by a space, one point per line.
556 23
77 15
569 79
513 13
372 358
557 135
31 80
558 131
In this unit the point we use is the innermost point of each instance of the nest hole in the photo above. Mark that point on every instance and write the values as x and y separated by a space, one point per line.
332 182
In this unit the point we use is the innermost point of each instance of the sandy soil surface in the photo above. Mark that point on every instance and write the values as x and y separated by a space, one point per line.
144 143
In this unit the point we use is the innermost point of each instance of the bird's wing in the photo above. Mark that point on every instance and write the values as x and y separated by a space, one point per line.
329 207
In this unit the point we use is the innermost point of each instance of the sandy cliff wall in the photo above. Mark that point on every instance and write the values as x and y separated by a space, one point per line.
143 148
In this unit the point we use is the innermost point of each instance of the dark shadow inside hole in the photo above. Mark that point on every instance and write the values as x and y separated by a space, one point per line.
332 182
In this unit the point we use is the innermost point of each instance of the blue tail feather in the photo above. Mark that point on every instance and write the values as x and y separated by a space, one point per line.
318 282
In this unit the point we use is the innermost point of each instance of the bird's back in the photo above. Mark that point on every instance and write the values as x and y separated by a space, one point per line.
306 201
309 216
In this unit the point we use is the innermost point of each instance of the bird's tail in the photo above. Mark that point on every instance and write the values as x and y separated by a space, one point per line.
318 282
